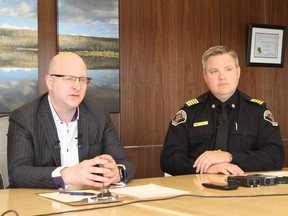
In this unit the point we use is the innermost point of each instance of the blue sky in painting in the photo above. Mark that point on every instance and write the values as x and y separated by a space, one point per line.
88 20
18 74
18 14
94 18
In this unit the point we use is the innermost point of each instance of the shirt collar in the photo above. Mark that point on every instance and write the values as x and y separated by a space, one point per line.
232 102
55 115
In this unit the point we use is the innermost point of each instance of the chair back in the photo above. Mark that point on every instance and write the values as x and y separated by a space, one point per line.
4 123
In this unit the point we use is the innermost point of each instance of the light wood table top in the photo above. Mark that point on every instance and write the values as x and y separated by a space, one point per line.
244 201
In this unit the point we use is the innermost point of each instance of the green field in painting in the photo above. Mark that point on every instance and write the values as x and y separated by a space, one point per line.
19 48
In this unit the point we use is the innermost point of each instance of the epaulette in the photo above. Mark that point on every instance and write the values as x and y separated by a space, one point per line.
257 101
192 102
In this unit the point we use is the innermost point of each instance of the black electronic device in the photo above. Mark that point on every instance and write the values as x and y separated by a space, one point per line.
245 181
220 186
281 180
266 180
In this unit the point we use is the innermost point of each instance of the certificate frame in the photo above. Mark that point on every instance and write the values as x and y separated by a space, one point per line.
266 45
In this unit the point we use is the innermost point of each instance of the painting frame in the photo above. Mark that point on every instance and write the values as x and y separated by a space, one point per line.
266 45
94 35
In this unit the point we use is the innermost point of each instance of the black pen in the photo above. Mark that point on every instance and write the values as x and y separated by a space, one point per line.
78 193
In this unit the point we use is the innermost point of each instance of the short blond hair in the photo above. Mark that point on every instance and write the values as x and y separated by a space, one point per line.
218 50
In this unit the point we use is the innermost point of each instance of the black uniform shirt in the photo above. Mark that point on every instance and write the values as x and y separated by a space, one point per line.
231 110
254 137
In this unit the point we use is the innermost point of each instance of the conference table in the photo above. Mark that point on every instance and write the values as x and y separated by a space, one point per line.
262 200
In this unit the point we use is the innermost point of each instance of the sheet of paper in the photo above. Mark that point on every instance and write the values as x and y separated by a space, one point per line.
65 197
148 191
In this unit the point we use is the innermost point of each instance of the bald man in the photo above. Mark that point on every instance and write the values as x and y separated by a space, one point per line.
62 138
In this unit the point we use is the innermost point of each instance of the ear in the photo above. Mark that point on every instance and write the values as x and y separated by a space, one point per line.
49 81
204 75
239 71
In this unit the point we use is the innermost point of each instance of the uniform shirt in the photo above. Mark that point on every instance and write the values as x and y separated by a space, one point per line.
254 137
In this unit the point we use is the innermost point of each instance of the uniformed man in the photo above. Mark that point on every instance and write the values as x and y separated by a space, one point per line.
201 140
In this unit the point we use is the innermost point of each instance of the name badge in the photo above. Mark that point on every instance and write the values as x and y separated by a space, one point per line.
198 124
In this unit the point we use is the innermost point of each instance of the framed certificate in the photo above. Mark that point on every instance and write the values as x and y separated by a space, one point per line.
266 45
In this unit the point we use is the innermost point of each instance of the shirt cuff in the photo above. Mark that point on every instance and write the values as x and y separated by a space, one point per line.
57 179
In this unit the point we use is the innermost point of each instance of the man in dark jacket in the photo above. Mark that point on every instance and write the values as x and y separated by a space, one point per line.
62 138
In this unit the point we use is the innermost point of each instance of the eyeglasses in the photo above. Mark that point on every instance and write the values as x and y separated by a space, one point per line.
71 79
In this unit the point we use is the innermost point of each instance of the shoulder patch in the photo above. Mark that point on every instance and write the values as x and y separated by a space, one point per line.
257 101
179 118
192 102
270 118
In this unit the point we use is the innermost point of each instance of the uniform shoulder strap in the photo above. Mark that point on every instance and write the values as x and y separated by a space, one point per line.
260 102
197 100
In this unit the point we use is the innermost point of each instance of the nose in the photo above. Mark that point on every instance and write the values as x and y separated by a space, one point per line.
222 75
76 84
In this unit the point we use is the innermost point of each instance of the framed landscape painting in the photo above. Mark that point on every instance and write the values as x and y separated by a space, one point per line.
18 53
91 29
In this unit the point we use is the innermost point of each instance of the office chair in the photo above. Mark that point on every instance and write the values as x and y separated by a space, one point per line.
4 123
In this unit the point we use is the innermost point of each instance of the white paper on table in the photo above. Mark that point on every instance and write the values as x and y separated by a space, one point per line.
65 197
148 191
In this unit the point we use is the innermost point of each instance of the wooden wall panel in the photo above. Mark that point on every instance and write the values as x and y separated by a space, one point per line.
161 43
47 38
265 83
146 160
276 83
